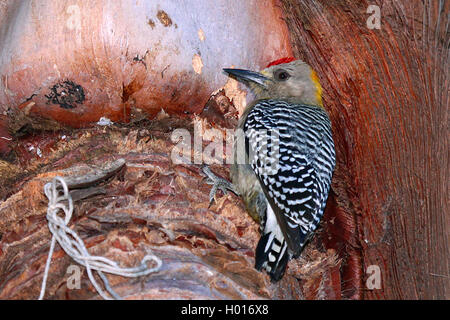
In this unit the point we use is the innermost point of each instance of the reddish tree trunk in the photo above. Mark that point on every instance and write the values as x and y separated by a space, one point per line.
387 92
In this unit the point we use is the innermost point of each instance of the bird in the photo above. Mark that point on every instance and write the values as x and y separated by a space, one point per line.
284 158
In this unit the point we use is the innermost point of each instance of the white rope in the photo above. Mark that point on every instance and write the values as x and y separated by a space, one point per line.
60 201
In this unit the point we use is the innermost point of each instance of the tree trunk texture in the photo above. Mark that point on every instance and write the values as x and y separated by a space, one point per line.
150 68
387 93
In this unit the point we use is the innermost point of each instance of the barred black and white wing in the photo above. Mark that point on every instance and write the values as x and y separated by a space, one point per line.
291 151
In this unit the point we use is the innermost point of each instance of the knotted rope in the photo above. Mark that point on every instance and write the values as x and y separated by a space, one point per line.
60 201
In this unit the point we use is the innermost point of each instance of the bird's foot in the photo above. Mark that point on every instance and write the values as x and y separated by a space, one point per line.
217 183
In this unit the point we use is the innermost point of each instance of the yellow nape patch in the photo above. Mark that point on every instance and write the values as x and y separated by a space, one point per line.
315 80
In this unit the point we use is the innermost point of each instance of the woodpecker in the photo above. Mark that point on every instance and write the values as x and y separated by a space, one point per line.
289 158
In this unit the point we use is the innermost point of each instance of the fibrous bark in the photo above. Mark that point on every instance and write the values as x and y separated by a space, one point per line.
387 93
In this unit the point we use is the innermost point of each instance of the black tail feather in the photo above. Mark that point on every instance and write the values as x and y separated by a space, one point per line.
280 268
276 268
260 255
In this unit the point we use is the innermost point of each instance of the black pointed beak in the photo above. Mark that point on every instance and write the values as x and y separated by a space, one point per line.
248 76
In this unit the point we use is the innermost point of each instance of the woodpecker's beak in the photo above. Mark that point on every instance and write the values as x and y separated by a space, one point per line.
248 76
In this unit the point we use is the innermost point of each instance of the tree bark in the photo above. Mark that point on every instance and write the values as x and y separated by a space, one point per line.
387 93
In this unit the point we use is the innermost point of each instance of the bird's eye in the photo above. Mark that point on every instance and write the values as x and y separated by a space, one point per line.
281 75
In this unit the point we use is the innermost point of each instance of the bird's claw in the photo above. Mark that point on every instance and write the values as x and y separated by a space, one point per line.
217 183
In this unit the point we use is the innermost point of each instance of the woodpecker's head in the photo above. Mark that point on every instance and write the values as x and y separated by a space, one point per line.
285 79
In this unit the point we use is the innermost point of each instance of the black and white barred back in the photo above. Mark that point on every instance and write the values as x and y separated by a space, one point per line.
291 151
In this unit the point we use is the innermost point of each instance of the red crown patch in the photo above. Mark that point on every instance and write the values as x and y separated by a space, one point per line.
280 61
